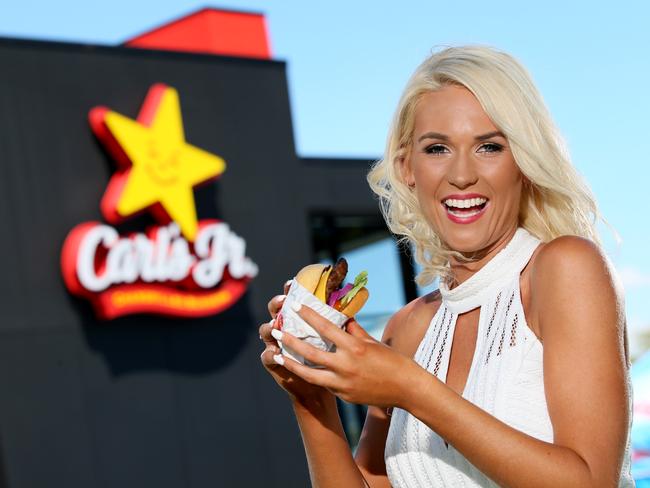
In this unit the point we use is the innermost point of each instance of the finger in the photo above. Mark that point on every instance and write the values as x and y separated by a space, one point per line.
324 327
304 349
265 331
275 304
320 377
354 329
279 320
267 356
287 285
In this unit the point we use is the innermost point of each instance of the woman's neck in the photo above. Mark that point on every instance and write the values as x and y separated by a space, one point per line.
461 272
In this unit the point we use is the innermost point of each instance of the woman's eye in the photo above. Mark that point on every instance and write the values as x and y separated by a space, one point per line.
491 147
435 149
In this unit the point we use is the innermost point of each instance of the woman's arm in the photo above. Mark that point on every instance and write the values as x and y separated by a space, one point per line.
370 452
328 455
584 370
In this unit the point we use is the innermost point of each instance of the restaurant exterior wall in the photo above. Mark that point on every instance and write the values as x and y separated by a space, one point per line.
147 400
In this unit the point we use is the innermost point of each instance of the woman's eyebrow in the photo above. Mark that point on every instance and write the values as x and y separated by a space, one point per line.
438 135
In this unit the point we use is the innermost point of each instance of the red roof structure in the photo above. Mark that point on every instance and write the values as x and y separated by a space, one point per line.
211 31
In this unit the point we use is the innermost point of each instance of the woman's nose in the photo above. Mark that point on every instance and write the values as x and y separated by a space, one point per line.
462 172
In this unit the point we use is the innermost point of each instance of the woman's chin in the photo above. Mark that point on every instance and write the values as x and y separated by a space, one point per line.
464 240
465 249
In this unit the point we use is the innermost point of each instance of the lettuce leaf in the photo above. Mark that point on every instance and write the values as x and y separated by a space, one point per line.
359 282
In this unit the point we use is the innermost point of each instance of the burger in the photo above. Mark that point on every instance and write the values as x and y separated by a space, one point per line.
326 283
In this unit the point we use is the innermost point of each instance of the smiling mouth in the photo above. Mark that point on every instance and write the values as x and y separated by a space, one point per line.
464 211
161 177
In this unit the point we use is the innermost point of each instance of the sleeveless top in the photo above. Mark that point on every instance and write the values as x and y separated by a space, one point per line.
505 378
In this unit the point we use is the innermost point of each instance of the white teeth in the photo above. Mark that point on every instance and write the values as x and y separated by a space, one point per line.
464 215
465 203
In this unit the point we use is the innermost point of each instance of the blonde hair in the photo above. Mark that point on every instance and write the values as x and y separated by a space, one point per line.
555 202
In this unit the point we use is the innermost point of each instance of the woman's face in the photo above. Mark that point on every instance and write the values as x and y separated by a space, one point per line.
466 180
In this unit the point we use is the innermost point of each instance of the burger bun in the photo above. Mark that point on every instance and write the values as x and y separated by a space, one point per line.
310 275
357 303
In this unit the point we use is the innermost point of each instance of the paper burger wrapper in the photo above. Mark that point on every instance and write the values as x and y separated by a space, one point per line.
297 327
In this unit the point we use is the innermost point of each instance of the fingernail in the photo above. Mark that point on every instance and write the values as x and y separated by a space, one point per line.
281 297
277 335
288 282
295 306
279 359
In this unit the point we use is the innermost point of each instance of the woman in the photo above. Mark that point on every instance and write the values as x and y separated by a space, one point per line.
514 372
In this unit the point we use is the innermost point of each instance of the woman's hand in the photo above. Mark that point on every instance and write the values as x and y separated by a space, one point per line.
299 390
361 370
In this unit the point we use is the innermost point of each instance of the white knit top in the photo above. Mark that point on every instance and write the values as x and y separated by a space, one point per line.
505 378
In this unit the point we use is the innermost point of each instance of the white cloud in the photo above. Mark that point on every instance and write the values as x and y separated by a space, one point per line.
638 324
634 277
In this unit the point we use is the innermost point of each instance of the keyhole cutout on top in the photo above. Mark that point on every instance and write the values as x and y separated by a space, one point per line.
463 349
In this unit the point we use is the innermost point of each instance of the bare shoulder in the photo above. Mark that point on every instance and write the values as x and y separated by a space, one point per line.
572 258
572 251
572 271
407 326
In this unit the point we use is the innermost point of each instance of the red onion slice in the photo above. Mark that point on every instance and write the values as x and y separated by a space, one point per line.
335 295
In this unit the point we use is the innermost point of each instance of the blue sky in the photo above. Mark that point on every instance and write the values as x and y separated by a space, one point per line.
348 61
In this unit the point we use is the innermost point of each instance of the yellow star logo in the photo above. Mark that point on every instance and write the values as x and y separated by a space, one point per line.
158 168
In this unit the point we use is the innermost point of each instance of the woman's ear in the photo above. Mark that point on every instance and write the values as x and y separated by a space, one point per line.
528 185
405 171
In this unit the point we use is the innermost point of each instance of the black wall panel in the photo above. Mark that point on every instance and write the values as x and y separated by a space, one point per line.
146 401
